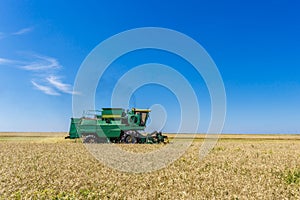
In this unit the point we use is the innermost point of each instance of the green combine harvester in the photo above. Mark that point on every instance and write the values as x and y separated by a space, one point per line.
114 125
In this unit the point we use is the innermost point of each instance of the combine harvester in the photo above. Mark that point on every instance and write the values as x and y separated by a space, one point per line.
114 125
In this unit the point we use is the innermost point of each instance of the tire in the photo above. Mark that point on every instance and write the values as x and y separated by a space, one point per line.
91 139
130 139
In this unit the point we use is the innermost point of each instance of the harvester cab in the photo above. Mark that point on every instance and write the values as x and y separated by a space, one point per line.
138 117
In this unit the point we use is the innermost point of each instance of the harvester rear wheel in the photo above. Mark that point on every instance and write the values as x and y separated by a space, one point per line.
90 139
130 139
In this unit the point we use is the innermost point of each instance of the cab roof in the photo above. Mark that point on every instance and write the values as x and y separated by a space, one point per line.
140 110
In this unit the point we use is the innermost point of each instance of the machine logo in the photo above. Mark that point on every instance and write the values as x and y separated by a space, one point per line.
164 39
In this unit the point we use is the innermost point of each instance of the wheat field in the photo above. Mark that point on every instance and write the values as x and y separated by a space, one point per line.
49 167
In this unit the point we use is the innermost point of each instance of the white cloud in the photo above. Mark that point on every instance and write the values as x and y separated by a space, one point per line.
42 63
10 62
4 61
45 89
44 70
19 32
23 31
58 84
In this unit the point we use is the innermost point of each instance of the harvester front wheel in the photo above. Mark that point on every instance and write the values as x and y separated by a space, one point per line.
90 139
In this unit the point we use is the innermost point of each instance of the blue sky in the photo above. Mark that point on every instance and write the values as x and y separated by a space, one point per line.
255 45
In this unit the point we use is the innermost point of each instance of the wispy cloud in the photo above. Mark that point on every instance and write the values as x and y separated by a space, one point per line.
23 31
45 89
42 63
44 70
19 32
11 62
4 61
58 84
